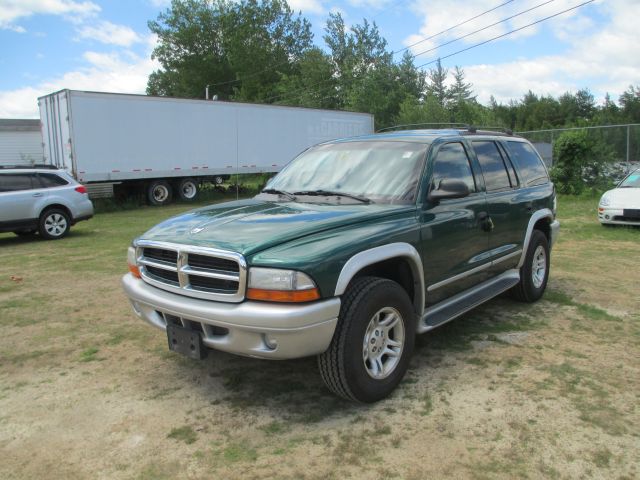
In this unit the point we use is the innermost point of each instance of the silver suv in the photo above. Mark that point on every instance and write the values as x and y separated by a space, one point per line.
44 200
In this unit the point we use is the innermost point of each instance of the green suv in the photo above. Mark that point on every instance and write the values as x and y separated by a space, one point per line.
355 247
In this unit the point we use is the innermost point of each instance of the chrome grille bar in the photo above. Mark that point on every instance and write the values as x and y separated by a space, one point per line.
199 282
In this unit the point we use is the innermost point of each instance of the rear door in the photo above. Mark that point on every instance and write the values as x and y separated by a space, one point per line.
454 242
504 203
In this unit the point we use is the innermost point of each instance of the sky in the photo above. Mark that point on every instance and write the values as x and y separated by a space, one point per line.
99 45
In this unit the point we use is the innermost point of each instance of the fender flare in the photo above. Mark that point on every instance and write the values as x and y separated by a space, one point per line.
379 254
539 215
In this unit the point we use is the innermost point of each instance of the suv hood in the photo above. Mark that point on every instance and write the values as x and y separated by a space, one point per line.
249 226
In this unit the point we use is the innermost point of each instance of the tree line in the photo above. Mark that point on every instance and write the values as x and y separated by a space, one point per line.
261 51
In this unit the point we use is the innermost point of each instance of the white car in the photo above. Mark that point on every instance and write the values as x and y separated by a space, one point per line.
621 206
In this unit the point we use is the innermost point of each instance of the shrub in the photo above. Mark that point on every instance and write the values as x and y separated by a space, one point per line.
580 163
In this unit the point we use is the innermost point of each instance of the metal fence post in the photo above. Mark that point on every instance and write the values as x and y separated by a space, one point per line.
628 130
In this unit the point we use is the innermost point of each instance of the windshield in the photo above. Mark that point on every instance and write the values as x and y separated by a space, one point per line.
383 172
632 181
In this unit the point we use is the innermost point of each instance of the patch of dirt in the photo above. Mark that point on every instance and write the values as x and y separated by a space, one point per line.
554 395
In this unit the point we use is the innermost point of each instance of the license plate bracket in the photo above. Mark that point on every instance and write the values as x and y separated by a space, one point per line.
186 341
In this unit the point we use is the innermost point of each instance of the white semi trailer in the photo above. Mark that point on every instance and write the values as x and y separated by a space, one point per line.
164 145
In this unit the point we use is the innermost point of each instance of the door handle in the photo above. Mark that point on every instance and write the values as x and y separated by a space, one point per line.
485 221
37 194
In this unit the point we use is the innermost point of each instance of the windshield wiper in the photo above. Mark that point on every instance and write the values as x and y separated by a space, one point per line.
331 193
274 191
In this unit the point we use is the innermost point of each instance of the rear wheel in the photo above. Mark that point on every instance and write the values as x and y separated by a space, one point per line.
534 274
188 189
54 224
371 347
159 192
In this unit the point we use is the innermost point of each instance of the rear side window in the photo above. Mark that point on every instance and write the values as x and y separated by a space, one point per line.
493 166
528 162
452 162
13 182
49 180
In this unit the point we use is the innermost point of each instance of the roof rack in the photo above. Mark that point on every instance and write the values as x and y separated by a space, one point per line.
36 165
475 129
471 129
433 124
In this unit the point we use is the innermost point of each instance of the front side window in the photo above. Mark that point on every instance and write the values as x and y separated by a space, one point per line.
492 164
529 163
13 182
384 172
452 162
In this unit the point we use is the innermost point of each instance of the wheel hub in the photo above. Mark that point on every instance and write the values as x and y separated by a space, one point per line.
383 343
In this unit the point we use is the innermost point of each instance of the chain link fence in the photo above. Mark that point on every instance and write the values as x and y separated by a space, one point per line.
622 140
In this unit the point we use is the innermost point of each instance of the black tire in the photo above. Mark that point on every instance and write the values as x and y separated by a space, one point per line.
159 192
54 224
187 189
26 232
343 366
531 287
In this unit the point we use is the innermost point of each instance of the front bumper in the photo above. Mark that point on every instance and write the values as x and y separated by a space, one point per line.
256 329
615 216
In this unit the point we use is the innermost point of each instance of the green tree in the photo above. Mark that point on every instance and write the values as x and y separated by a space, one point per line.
436 86
240 48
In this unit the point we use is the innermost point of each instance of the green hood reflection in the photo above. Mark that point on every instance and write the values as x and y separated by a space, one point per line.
249 226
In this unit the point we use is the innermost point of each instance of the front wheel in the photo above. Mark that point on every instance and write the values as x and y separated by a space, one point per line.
373 342
534 274
54 224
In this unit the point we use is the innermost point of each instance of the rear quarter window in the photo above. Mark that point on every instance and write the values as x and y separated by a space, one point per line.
49 180
529 163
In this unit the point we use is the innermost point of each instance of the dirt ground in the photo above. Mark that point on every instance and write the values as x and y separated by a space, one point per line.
549 390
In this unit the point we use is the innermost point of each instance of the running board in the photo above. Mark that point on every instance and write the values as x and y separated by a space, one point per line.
455 306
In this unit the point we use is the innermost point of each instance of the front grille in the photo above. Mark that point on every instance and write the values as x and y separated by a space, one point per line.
624 218
212 284
163 275
167 256
213 263
193 271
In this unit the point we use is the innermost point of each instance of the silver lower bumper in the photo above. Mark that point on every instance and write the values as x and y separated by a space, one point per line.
256 329
555 230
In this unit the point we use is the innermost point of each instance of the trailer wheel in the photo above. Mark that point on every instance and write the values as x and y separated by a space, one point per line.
159 192
218 180
188 189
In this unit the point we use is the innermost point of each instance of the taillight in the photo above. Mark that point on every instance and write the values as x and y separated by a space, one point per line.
81 189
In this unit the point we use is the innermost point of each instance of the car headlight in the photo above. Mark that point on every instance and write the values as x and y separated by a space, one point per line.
133 264
605 201
277 285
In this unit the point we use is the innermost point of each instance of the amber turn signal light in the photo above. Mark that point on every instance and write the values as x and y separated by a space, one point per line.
285 296
134 271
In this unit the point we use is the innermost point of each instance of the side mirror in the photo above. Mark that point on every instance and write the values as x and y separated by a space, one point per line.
448 188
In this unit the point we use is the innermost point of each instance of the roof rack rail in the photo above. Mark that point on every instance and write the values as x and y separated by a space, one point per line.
436 124
35 165
475 128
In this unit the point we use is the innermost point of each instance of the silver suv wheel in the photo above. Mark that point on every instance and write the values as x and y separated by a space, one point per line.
539 266
383 343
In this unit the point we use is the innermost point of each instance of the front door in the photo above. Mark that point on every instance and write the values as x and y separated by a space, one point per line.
454 232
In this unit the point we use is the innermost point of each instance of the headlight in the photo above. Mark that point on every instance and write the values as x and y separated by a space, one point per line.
131 260
276 285
605 201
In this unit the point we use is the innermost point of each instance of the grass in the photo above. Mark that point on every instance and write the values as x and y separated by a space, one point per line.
184 434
